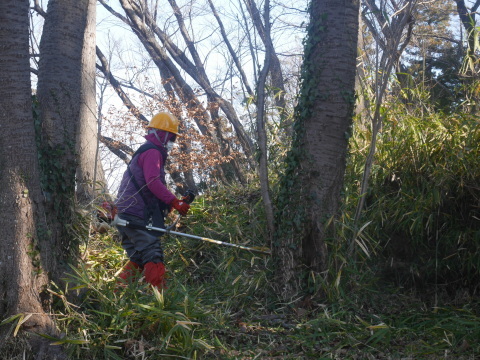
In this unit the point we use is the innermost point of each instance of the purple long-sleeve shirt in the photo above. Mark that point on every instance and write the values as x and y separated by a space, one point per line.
152 163
148 169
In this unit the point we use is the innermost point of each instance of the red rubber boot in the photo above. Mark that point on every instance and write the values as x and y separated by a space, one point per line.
155 274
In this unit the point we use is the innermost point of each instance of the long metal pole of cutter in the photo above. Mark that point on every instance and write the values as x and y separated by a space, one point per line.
120 222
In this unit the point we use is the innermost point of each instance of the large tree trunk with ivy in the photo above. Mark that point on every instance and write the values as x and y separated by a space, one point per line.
64 92
311 186
21 262
80 86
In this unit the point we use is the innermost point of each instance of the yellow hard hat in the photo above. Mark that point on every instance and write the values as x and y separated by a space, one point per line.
164 121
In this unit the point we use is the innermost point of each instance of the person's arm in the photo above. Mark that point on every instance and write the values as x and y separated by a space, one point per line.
151 162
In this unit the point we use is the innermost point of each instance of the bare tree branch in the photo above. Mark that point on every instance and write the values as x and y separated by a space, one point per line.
104 67
113 12
39 9
159 54
190 45
373 31
250 43
121 150
475 7
277 80
433 36
376 12
232 52
261 132
129 85
172 76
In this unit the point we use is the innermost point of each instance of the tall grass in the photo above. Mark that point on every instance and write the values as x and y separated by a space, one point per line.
209 287
220 302
105 321
423 205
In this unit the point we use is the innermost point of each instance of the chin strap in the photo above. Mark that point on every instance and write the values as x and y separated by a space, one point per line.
164 143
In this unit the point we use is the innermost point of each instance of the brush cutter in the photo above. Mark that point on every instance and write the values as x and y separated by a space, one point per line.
120 222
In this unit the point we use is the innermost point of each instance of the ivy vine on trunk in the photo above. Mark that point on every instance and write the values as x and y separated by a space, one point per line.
309 194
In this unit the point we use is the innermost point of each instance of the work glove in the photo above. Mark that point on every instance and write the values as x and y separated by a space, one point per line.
181 206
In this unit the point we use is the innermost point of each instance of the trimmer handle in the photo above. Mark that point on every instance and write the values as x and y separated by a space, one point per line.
189 196
121 222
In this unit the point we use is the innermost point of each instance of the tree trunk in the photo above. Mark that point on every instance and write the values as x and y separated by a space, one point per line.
64 94
88 169
261 131
470 69
22 275
276 74
311 185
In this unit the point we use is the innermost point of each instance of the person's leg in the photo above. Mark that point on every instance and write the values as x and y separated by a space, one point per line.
143 247
134 267
152 256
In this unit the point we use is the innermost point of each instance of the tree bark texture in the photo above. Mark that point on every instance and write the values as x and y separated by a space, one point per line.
88 169
22 275
67 112
310 190
261 131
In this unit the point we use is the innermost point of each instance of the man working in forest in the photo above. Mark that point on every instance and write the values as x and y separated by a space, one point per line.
143 198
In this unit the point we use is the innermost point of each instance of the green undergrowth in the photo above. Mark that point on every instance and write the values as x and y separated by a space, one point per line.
423 203
220 303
